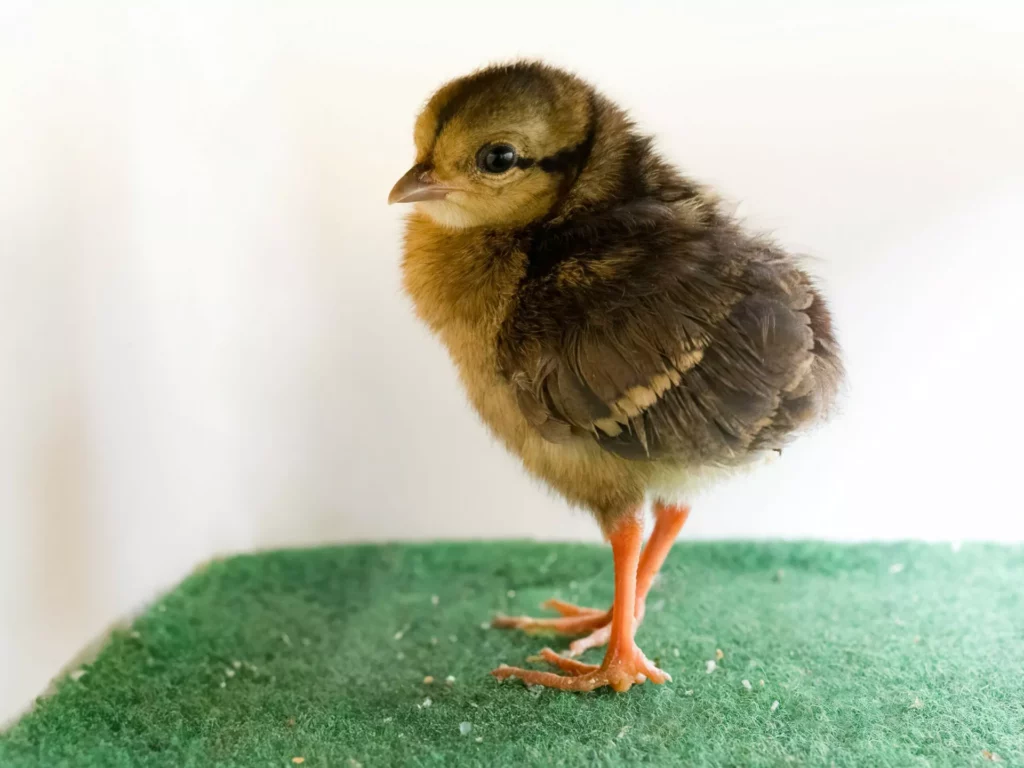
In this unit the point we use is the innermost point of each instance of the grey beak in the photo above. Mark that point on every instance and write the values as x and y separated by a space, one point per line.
416 185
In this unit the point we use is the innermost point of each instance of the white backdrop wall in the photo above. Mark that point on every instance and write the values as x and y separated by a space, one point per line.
203 343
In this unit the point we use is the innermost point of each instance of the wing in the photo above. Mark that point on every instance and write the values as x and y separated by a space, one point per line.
696 347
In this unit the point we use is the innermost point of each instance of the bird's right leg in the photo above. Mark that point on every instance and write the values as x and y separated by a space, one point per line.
574 620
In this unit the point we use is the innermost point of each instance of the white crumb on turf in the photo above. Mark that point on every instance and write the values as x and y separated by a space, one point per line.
775 705
388 719
622 731
434 599
223 684
895 567
710 666
236 664
465 727
77 675
511 593
399 634
747 685
287 640
450 680
675 652
453 638
485 625
916 703
690 692
479 739
426 703
762 683
229 672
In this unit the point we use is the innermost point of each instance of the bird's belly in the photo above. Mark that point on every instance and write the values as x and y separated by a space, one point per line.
684 484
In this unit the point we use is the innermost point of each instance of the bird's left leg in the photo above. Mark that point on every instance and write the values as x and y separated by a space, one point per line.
624 663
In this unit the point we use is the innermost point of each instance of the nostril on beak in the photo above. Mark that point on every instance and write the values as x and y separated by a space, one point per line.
418 184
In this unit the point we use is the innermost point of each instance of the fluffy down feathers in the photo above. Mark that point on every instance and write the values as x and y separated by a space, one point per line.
660 338
610 322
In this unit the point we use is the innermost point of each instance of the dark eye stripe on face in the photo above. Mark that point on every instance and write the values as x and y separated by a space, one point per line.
569 158
564 159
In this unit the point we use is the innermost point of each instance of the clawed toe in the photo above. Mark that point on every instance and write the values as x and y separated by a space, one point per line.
620 670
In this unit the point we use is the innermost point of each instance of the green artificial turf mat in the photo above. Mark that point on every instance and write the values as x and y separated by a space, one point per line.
879 655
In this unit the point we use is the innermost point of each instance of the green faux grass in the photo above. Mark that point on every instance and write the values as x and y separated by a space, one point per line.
878 655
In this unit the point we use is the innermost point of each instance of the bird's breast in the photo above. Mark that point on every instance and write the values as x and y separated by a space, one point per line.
473 350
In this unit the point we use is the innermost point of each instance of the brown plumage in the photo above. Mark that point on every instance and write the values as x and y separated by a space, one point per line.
612 325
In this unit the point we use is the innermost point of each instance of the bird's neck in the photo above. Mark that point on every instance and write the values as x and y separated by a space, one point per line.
461 277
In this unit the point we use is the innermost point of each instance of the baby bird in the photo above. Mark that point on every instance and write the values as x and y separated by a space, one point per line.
612 325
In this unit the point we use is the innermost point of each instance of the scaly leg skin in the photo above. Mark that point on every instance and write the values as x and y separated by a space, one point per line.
669 520
624 663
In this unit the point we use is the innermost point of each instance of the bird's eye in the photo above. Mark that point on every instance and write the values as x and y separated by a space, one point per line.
496 158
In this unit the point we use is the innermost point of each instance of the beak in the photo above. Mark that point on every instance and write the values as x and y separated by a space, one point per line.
417 184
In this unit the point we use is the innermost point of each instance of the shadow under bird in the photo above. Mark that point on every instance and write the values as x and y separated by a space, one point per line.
613 325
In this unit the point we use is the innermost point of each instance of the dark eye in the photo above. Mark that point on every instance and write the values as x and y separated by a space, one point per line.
496 158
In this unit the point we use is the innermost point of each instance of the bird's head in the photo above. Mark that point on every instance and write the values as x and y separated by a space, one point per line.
498 148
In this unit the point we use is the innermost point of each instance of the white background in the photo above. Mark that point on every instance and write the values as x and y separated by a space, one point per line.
203 344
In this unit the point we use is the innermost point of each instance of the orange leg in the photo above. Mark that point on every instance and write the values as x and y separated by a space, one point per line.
624 663
669 521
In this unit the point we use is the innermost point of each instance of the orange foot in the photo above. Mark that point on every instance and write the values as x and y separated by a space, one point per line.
575 620
620 669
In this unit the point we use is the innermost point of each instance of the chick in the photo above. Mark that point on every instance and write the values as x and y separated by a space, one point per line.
611 324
